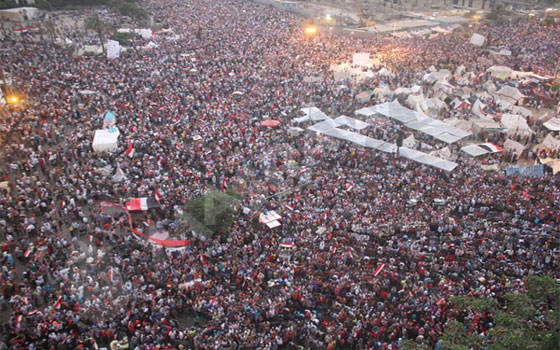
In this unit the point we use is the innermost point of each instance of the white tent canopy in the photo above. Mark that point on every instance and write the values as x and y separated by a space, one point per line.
516 124
514 146
105 140
553 124
311 113
510 94
351 122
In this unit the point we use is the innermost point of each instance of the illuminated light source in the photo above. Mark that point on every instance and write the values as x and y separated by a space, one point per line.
328 16
310 30
13 99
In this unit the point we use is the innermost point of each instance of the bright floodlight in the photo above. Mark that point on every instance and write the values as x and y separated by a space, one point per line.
310 30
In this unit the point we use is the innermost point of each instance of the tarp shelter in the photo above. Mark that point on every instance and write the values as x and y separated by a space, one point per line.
521 111
427 159
501 72
553 124
311 113
477 39
474 150
510 94
550 142
363 97
409 142
145 203
514 147
478 109
516 124
417 103
109 120
351 122
270 218
105 140
479 126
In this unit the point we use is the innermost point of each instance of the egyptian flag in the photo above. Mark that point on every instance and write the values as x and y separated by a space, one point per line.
158 195
111 274
289 206
349 187
27 252
58 303
286 245
526 194
18 321
378 270
137 204
213 302
130 151
178 147
202 259
302 170
324 216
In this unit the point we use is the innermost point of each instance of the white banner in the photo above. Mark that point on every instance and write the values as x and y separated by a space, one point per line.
113 49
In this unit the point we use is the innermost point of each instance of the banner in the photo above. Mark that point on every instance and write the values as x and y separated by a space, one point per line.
113 49
165 243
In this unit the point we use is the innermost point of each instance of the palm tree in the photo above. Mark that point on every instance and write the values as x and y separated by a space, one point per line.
95 23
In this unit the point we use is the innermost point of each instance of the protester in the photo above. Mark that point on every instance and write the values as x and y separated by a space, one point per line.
378 243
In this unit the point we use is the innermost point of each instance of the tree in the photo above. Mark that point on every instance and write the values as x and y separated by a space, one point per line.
95 23
211 213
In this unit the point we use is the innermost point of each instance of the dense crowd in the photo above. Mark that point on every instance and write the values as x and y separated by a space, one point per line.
73 276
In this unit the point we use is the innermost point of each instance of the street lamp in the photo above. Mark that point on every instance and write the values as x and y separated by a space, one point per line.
476 17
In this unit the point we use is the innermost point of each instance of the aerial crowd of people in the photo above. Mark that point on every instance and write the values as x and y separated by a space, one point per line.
370 246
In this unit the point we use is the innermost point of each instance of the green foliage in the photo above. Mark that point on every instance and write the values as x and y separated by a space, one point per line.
522 321
211 213
457 338
129 8
548 21
412 345
123 38
478 304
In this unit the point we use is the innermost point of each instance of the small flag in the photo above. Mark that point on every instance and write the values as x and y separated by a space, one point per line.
62 204
286 245
289 206
18 321
324 216
302 170
178 147
378 270
90 236
58 303
130 151
349 187
158 195
27 252
224 184
213 302
526 194
111 274
202 259
38 255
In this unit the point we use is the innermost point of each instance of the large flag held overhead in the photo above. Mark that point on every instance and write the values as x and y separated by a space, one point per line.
145 203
